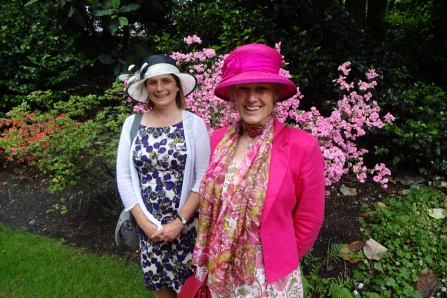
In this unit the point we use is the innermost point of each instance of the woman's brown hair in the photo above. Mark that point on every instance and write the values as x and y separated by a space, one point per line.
179 97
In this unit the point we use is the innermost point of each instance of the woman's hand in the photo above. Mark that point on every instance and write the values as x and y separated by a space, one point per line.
169 231
148 228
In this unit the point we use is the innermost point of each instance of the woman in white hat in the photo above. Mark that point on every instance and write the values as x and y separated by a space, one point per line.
159 173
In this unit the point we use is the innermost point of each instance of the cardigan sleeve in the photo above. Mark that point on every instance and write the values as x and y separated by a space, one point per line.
123 175
310 191
202 153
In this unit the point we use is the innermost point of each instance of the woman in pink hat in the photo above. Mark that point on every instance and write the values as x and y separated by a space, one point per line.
262 197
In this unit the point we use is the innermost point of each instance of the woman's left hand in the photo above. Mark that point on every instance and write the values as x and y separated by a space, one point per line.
169 231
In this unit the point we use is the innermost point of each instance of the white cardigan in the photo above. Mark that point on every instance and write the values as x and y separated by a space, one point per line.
198 154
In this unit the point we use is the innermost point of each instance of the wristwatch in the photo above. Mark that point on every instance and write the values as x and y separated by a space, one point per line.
183 220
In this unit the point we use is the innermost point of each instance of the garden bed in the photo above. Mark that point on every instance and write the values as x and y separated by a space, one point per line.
27 204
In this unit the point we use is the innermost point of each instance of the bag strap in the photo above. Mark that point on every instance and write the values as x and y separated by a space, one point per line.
135 125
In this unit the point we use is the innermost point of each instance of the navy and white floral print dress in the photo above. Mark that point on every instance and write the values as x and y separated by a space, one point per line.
159 157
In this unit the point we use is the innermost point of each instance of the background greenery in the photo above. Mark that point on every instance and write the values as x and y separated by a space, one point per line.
78 47
62 58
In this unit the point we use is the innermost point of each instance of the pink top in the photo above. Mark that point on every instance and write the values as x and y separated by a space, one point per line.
294 206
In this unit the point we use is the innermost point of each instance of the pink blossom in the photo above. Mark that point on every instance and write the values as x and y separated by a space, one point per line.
192 39
354 113
389 118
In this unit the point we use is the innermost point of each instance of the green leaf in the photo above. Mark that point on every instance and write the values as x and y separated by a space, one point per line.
141 52
404 273
123 21
114 3
31 2
71 11
79 19
101 12
113 26
106 59
130 7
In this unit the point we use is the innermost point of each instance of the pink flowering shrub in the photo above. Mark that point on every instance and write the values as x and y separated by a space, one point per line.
352 115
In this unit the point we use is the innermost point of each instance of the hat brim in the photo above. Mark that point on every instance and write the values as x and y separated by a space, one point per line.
287 87
138 92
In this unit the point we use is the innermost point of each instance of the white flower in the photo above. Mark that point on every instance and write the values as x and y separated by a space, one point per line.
360 285
397 264
443 289
420 262
355 292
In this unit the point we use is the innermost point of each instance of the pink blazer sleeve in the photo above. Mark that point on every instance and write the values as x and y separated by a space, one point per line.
309 189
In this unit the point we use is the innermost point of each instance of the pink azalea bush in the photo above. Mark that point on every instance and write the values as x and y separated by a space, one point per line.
353 113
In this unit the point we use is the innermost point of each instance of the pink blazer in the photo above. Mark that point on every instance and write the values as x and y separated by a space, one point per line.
294 207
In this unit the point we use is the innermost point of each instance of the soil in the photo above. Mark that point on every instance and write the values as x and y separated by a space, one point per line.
26 203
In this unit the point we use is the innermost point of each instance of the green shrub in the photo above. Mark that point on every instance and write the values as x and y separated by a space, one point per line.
316 286
414 240
74 142
419 132
36 53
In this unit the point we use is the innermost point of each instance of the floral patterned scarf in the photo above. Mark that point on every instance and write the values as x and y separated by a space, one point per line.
230 220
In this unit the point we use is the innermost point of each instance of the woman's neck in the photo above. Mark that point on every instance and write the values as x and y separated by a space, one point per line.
253 130
165 117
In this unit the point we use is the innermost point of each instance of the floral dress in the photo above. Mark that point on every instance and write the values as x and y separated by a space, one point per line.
159 157
289 286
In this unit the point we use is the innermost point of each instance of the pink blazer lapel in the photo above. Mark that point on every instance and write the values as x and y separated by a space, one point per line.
278 167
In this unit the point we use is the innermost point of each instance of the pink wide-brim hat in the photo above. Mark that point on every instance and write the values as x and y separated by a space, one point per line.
253 63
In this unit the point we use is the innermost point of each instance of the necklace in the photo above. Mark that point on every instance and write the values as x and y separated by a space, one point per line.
250 140
168 123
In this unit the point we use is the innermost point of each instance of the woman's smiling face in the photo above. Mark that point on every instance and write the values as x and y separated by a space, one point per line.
254 102
162 89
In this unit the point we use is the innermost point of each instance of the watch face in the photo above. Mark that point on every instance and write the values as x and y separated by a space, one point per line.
182 219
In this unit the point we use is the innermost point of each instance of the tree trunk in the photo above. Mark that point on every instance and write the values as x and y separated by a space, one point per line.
357 10
376 13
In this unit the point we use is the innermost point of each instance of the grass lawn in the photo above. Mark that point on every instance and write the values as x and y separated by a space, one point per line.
35 266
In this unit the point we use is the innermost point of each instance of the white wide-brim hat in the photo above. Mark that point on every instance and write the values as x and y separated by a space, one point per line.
154 66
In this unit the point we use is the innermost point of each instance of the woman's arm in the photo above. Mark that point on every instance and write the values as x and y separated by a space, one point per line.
123 175
148 227
173 229
202 154
310 192
124 180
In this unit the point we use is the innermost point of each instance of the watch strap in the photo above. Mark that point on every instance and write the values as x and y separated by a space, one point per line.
182 219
